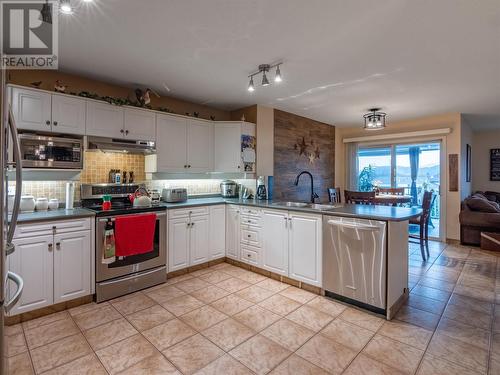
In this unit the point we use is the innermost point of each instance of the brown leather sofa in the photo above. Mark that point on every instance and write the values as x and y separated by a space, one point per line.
480 213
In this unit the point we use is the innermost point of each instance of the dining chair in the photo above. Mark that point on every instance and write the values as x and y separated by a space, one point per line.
394 191
423 222
359 197
334 195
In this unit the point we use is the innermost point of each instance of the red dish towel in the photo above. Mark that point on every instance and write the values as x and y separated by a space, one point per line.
134 234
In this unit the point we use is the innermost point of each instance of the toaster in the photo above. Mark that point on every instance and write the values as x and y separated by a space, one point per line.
174 195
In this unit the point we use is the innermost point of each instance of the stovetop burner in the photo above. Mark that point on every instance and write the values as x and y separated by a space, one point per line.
119 206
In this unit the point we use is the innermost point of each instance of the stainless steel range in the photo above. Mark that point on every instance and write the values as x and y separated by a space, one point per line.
130 273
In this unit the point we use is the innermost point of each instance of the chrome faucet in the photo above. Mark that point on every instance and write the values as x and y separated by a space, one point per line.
313 194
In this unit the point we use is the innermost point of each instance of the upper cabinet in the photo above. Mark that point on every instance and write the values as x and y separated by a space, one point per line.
46 112
104 120
234 147
139 124
183 145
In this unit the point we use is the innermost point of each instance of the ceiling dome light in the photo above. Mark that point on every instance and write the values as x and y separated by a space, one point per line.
374 120
251 87
265 81
88 1
66 7
277 77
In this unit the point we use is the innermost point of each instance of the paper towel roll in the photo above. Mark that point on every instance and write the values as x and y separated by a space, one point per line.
70 195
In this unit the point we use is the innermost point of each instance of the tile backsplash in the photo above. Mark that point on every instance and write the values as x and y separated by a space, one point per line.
98 164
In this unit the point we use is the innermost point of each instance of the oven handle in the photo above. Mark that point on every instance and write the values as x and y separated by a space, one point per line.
103 220
131 276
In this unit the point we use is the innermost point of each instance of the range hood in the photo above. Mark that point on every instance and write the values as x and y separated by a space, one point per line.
125 146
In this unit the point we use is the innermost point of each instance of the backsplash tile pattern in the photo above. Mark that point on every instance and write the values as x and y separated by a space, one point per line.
98 164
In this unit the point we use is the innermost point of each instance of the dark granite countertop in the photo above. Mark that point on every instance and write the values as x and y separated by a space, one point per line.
51 215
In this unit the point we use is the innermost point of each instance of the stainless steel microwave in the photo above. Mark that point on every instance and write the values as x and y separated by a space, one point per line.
45 151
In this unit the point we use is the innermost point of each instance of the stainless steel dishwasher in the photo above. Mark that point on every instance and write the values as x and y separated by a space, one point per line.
354 261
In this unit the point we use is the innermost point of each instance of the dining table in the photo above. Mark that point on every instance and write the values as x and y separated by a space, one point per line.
392 199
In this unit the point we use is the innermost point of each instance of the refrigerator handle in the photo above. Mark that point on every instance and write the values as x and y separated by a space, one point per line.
20 285
19 177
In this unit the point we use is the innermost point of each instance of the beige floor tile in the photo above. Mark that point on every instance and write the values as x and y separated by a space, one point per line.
51 332
299 295
125 354
272 285
327 305
437 284
431 365
437 294
280 305
200 272
471 304
60 352
494 367
327 354
251 277
20 365
109 333
297 366
165 293
480 294
45 320
233 284
364 365
154 365
347 334
88 365
87 308
362 319
288 334
168 334
260 354
215 277
456 351
203 318
254 294
467 315
256 317
464 332
192 285
418 317
182 305
210 294
178 279
231 304
394 353
131 305
96 317
406 333
224 365
150 317
193 354
13 329
426 304
228 334
16 344
495 343
310 318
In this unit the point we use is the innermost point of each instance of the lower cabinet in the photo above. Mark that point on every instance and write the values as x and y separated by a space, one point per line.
55 268
178 244
199 239
233 232
275 241
217 232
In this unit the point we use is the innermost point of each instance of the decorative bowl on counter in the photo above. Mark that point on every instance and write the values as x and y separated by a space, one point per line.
27 203
42 204
53 204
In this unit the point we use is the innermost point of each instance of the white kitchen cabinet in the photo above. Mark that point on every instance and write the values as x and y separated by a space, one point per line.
200 141
72 265
139 124
104 120
217 243
171 148
227 147
233 232
31 109
33 261
305 247
68 114
275 241
199 238
178 243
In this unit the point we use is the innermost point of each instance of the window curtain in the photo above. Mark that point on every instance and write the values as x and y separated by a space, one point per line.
352 166
414 160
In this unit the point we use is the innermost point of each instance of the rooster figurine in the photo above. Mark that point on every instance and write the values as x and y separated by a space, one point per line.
36 84
59 86
143 97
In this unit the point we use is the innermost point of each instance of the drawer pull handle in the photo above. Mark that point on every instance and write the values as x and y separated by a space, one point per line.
248 236
50 247
248 255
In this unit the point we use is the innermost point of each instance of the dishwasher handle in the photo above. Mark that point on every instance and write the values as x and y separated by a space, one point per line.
357 226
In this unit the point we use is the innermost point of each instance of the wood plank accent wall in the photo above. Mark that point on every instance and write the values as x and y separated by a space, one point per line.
289 129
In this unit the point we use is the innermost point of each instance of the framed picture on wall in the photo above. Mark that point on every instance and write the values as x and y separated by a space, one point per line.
468 170
495 164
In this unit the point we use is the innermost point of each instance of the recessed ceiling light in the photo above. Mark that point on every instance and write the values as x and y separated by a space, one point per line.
66 7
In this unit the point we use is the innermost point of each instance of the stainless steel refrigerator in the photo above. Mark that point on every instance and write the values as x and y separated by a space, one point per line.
8 300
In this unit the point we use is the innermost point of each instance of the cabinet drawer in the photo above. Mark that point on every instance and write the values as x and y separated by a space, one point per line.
185 212
44 228
250 211
251 236
247 221
249 255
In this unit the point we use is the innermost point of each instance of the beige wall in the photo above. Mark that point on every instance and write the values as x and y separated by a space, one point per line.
465 139
265 141
482 142
453 146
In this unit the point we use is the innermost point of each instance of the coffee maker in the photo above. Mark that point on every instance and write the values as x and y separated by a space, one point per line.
261 188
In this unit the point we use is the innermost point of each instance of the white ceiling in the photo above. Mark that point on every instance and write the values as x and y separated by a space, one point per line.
341 57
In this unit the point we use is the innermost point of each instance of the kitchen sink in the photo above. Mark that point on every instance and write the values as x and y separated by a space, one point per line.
322 207
292 204
314 206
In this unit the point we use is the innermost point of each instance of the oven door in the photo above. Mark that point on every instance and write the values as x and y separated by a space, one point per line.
134 263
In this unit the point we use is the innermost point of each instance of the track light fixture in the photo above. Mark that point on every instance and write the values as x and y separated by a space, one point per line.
374 120
66 7
264 69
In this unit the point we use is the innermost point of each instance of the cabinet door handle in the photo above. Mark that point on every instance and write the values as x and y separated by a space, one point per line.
126 132
50 247
185 166
58 246
122 131
55 123
47 122
189 166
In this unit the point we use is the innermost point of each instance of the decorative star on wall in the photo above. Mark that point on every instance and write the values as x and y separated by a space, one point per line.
311 158
302 146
